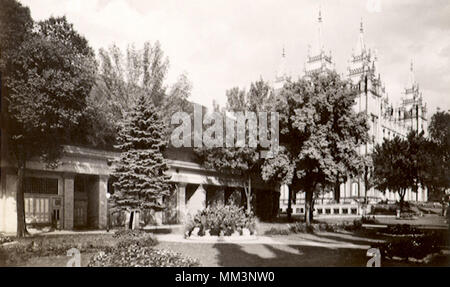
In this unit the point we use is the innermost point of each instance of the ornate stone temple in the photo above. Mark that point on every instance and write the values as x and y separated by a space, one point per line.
386 120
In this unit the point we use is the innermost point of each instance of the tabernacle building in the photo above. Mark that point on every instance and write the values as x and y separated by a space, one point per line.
73 196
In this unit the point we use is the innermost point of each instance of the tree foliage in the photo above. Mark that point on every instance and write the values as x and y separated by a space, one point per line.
439 130
413 162
50 75
438 151
320 135
125 76
391 167
48 86
15 25
243 161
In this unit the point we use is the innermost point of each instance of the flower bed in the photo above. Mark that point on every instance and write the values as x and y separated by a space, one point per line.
135 248
136 255
221 221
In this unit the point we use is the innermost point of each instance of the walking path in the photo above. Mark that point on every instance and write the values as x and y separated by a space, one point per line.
332 242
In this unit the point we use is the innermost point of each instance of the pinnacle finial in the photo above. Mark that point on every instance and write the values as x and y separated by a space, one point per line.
283 53
320 14
361 29
411 66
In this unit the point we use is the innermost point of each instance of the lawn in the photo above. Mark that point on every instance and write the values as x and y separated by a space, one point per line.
281 255
51 250
341 248
124 248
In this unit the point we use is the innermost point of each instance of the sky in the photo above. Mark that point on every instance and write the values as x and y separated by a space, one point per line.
222 44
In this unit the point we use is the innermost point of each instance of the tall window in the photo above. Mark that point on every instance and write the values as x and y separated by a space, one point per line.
37 208
355 188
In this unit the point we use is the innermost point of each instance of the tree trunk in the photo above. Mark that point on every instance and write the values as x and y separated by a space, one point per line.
416 190
248 195
130 223
21 224
289 209
337 192
309 207
402 196
366 183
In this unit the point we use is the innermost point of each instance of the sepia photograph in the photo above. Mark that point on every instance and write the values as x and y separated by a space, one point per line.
212 133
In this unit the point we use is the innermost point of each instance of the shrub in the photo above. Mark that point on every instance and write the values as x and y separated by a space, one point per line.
357 225
301 227
277 231
415 246
368 220
127 233
407 215
5 239
135 255
326 227
401 229
384 209
137 237
225 219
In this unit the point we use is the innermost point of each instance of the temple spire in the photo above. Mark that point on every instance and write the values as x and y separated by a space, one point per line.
411 75
360 46
411 78
281 75
319 42
317 59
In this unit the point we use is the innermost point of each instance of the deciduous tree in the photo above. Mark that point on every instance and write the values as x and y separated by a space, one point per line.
320 133
391 167
50 76
438 151
125 76
243 161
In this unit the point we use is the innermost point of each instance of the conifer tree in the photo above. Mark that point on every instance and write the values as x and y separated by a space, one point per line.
141 179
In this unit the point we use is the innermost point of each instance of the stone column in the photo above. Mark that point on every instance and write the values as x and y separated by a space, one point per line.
159 214
9 207
97 202
197 201
181 201
102 201
69 180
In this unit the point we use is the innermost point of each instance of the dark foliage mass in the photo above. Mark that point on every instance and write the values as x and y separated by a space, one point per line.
141 179
400 164
416 246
